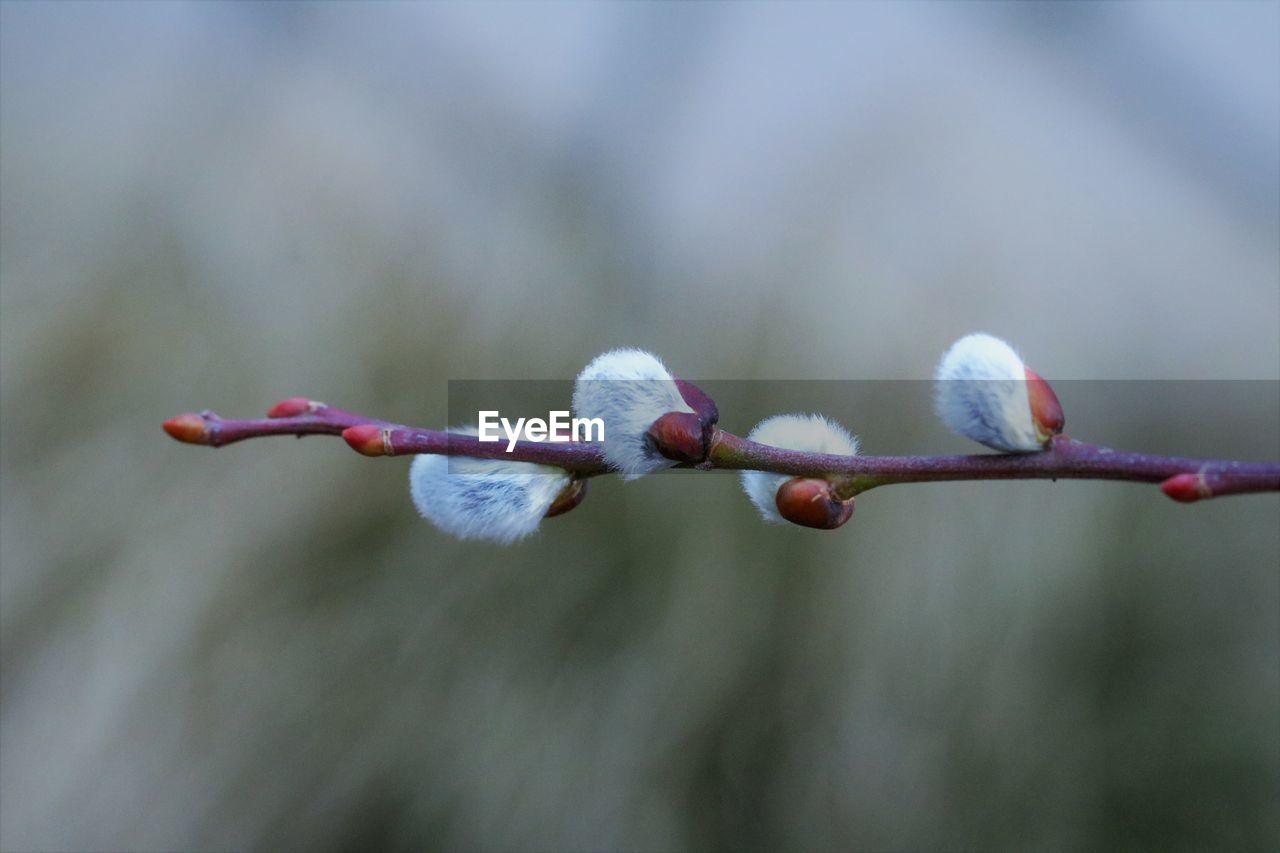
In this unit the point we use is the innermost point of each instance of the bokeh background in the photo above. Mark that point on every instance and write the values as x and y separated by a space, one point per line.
220 205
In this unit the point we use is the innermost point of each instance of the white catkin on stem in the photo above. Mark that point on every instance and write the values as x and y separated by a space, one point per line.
628 389
808 433
489 499
980 392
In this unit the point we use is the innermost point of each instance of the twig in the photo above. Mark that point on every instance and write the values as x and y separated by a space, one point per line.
1181 478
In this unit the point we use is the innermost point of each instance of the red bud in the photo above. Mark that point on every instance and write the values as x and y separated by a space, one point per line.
810 502
368 439
189 428
1186 488
679 436
292 407
570 496
1046 411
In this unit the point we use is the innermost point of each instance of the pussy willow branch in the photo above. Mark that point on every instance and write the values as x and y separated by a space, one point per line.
1184 479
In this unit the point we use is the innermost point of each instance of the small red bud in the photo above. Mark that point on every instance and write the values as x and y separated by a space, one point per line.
292 407
1186 488
570 496
189 428
368 439
811 502
679 436
1046 411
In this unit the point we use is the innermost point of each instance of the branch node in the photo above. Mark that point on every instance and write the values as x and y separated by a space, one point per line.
1186 488
293 407
369 439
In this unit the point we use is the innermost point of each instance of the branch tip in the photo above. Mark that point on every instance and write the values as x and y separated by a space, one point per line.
189 428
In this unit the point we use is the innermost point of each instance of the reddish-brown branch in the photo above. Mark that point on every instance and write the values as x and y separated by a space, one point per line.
294 416
1065 458
1182 478
582 460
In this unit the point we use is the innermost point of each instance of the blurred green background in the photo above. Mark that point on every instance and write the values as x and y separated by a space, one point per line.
220 205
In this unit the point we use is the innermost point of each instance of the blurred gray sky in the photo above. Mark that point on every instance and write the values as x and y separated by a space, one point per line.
209 204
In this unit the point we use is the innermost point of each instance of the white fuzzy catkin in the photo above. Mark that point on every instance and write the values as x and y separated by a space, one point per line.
980 392
488 499
809 433
628 389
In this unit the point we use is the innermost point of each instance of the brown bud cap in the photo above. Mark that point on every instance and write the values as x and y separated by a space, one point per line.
699 402
811 502
679 436
189 428
1046 411
570 496
293 407
367 439
1186 488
